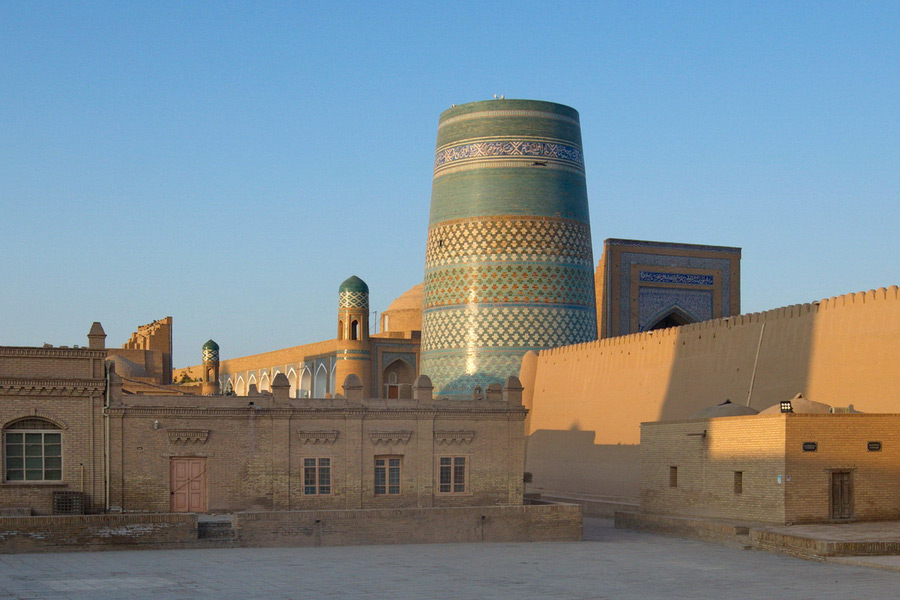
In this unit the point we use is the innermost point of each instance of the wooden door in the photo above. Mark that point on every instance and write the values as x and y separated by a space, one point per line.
188 483
841 495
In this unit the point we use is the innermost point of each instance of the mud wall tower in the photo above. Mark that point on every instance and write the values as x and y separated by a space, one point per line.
508 263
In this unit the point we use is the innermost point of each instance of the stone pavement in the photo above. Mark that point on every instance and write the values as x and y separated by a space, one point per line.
610 563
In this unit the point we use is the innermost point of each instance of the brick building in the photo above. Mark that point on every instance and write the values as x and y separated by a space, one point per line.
776 467
274 452
51 414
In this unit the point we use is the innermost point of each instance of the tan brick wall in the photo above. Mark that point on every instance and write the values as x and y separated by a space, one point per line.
254 455
547 523
65 386
842 446
95 532
706 465
781 483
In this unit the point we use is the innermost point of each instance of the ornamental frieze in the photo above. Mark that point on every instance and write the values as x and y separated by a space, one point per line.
390 437
192 436
318 437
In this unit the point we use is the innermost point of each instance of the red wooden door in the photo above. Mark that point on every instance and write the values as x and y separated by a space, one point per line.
188 482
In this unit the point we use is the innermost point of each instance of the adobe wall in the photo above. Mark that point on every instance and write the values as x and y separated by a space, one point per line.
588 400
545 523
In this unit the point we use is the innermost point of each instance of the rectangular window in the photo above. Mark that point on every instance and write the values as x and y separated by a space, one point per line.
387 475
32 456
738 482
673 476
316 476
453 474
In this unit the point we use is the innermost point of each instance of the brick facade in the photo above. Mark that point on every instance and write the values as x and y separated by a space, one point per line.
785 464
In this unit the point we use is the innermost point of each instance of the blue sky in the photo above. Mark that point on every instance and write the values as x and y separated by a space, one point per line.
230 163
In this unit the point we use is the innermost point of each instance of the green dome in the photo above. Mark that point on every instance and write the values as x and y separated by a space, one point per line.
210 345
354 284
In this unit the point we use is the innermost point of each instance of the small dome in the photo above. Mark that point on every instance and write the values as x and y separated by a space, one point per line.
725 409
210 345
411 299
354 284
801 405
127 368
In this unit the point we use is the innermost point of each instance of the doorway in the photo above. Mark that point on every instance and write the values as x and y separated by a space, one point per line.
841 495
188 481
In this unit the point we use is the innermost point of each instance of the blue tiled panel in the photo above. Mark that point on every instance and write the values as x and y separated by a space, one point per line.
723 266
655 303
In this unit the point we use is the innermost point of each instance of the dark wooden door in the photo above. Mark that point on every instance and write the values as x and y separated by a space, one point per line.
841 495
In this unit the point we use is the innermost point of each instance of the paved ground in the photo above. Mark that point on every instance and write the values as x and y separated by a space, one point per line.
611 563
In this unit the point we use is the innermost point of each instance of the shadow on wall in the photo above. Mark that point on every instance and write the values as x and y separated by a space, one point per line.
757 359
569 461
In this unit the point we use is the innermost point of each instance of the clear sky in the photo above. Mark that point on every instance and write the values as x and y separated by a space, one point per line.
230 163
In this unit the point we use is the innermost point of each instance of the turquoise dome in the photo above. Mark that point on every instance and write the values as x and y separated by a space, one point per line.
354 284
210 345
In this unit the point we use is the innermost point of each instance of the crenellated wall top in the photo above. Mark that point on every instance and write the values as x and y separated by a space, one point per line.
889 294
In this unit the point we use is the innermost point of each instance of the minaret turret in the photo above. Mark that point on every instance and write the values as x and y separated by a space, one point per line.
210 386
354 352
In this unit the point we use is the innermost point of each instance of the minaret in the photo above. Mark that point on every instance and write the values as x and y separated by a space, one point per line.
210 386
508 262
353 352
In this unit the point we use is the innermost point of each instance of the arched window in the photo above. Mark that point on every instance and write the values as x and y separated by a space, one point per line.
210 375
340 329
354 330
32 451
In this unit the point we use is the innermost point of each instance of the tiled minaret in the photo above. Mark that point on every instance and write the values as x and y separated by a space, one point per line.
210 385
508 263
354 348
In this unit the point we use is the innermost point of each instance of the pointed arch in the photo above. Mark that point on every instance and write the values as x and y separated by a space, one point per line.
292 379
398 377
673 316
306 383
241 388
264 384
321 382
332 386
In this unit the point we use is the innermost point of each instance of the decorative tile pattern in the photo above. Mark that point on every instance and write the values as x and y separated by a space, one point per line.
722 266
472 328
489 150
210 355
509 239
353 300
655 303
681 278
